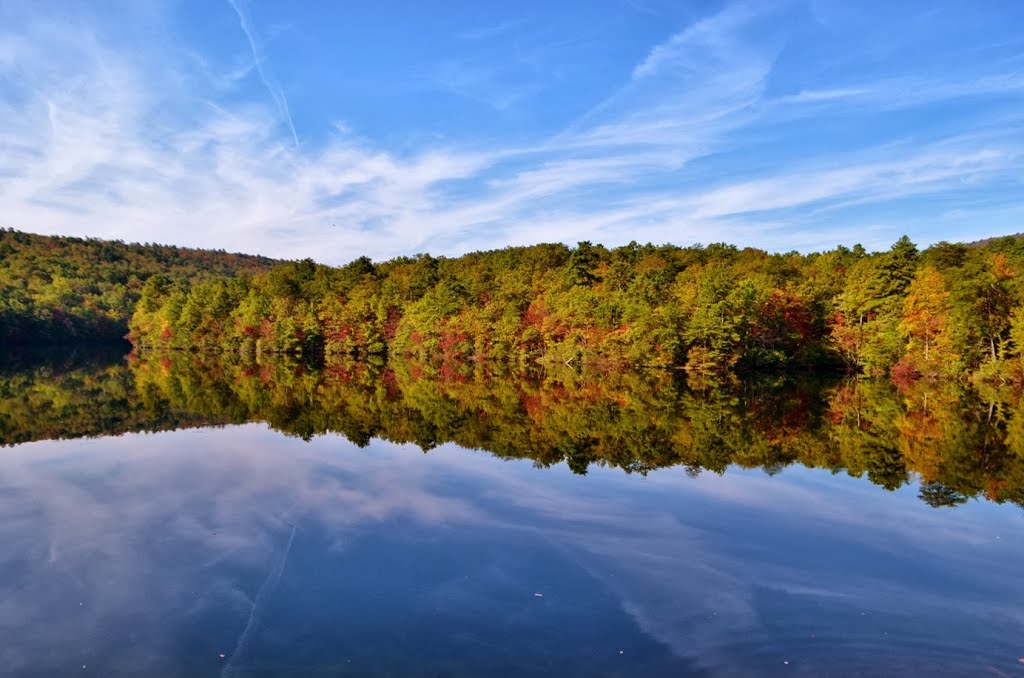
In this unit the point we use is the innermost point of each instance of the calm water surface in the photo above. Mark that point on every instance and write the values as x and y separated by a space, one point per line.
237 550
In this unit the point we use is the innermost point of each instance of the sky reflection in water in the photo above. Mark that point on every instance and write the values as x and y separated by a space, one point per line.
157 554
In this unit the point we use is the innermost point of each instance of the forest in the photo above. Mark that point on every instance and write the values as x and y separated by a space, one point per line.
65 291
959 443
951 311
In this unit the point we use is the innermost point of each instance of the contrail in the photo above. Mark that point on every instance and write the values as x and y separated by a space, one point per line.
269 584
276 93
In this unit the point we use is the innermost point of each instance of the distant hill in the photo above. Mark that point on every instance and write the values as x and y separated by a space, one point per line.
984 242
60 290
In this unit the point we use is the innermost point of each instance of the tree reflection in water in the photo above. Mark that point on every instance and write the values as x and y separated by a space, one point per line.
957 443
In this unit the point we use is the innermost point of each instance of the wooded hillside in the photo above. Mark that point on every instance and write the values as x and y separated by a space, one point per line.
60 290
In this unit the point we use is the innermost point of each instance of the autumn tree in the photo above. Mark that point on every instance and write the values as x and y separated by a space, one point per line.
925 325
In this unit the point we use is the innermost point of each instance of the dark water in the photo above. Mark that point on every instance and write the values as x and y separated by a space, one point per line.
719 529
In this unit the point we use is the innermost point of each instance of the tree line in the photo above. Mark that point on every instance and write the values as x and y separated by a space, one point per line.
951 310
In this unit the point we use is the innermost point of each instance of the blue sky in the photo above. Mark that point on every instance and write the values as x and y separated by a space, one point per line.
336 129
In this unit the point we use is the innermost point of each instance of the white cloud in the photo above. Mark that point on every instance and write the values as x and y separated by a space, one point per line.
160 146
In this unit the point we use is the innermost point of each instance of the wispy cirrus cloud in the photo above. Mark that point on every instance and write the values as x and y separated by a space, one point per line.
256 47
714 37
700 142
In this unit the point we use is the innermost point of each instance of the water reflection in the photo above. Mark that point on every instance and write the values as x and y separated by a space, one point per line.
957 442
158 554
238 551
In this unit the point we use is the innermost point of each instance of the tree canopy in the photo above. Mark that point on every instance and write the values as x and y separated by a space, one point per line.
948 310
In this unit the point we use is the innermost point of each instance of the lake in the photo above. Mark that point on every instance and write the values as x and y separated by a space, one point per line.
188 515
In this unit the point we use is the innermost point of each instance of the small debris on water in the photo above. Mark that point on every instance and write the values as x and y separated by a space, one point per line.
786 662
620 651
222 655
